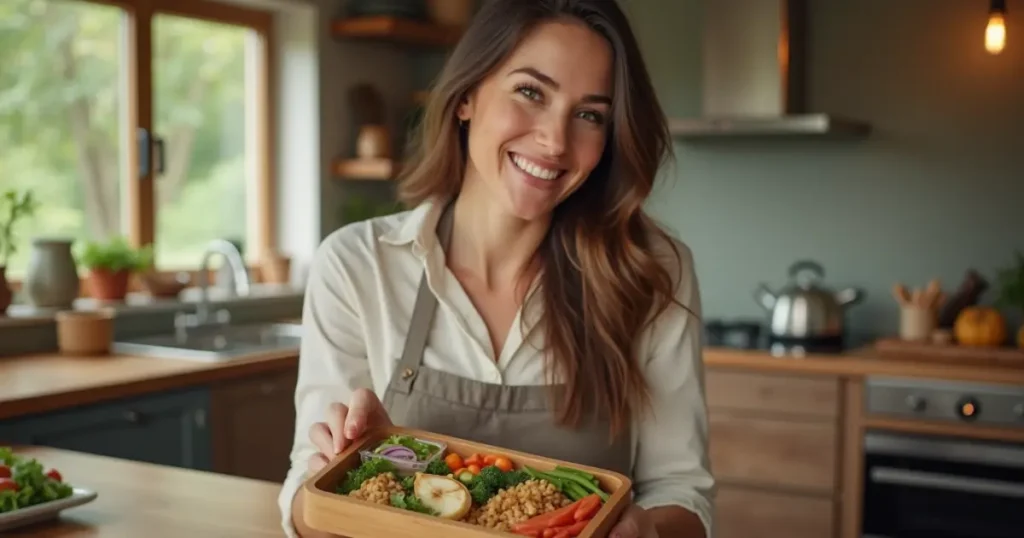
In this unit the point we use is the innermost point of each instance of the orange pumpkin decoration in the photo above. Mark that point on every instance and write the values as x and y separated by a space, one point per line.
980 326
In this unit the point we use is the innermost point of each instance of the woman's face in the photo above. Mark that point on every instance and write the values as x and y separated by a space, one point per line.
537 124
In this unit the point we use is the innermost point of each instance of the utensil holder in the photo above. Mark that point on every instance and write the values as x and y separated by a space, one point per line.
917 323
85 332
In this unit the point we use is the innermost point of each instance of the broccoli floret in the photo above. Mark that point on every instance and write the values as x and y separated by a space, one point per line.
513 478
438 467
369 469
411 502
480 492
493 477
407 483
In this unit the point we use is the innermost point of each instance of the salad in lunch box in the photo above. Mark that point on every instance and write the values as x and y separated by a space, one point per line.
482 489
24 482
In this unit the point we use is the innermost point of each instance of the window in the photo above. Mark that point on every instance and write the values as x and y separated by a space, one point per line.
147 119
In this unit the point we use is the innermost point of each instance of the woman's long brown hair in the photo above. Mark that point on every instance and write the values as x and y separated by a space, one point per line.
602 279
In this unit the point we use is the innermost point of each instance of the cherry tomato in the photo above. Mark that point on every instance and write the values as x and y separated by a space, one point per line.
454 461
54 474
473 468
8 484
503 463
475 459
490 459
5 471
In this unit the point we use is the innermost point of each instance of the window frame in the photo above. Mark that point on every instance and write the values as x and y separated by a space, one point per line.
138 76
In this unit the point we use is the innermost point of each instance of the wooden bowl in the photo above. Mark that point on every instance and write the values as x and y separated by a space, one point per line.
328 511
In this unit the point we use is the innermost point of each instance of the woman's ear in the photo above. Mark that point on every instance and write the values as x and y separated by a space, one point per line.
465 109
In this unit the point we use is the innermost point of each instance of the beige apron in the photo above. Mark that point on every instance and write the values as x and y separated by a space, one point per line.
515 417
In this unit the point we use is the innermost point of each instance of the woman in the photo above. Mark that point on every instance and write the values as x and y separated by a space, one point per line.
525 300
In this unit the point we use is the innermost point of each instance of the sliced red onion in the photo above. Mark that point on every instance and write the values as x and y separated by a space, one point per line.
399 453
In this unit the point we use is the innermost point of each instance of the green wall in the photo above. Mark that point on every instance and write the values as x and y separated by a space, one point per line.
935 190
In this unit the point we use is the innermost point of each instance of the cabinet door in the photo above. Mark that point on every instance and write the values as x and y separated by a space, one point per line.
748 512
167 428
254 423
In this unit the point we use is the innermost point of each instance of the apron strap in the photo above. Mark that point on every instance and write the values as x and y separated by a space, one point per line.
422 316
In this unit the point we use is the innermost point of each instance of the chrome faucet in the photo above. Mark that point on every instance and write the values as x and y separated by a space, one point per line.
242 285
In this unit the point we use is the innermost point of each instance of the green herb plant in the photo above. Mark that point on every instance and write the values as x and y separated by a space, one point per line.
115 255
1011 285
14 206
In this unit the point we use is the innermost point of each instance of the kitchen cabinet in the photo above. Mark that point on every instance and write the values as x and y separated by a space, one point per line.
254 420
169 428
776 450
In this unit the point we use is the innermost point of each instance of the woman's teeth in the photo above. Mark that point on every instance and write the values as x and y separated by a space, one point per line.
534 170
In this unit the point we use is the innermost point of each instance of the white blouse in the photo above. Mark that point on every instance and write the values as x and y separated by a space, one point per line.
359 298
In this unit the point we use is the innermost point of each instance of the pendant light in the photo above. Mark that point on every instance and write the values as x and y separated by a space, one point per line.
995 32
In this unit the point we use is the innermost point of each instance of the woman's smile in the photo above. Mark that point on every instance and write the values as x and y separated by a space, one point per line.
536 173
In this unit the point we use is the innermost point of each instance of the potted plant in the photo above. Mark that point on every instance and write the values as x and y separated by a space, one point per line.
110 265
1011 291
14 206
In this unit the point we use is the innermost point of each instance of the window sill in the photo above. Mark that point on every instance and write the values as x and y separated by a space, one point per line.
142 303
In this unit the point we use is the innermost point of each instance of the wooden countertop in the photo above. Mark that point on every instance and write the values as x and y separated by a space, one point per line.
863 362
50 381
141 499
46 382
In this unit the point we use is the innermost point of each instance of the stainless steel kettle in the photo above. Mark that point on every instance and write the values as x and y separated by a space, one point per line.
804 309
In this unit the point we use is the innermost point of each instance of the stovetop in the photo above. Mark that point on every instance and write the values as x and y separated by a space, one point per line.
751 334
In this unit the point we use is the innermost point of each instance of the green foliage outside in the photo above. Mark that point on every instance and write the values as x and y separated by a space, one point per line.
62 133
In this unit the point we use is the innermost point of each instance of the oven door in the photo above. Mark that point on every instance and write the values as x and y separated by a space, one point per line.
940 487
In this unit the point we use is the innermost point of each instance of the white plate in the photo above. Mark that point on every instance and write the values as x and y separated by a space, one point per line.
44 511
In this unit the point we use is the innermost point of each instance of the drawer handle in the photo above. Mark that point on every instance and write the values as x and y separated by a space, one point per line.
132 416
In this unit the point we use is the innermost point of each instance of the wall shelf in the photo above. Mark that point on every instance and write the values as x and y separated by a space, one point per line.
365 169
397 30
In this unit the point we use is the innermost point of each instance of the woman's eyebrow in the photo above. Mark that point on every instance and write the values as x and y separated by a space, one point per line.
548 81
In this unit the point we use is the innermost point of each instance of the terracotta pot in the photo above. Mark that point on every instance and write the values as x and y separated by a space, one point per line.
85 332
107 285
6 295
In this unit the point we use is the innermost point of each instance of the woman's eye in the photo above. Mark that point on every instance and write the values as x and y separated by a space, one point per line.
592 117
529 92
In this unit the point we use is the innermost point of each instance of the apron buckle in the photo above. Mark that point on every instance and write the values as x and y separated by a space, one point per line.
407 373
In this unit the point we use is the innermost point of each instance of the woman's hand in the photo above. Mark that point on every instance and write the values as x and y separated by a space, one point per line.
345 423
635 522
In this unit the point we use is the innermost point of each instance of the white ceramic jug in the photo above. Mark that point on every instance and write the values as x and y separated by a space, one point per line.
52 279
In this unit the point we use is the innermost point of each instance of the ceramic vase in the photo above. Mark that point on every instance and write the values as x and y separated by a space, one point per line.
6 295
52 279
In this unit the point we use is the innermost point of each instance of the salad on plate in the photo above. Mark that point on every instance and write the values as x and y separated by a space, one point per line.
25 482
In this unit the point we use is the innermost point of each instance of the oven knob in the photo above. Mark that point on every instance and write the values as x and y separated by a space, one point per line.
916 403
968 408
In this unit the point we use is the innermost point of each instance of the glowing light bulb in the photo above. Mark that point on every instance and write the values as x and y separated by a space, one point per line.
995 31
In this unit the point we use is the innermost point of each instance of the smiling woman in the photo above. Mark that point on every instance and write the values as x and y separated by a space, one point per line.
526 300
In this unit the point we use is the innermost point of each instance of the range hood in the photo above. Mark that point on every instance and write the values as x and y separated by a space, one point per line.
754 69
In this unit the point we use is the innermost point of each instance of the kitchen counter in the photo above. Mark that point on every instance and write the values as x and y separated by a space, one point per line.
46 382
141 499
50 381
859 363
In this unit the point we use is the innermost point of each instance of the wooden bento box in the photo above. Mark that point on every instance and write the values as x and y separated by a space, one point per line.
328 509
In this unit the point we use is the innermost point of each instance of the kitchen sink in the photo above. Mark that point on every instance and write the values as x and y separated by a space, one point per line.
215 342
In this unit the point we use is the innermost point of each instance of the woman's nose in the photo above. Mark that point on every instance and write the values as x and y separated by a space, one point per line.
552 133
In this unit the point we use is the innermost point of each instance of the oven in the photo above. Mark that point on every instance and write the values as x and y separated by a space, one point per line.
937 485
